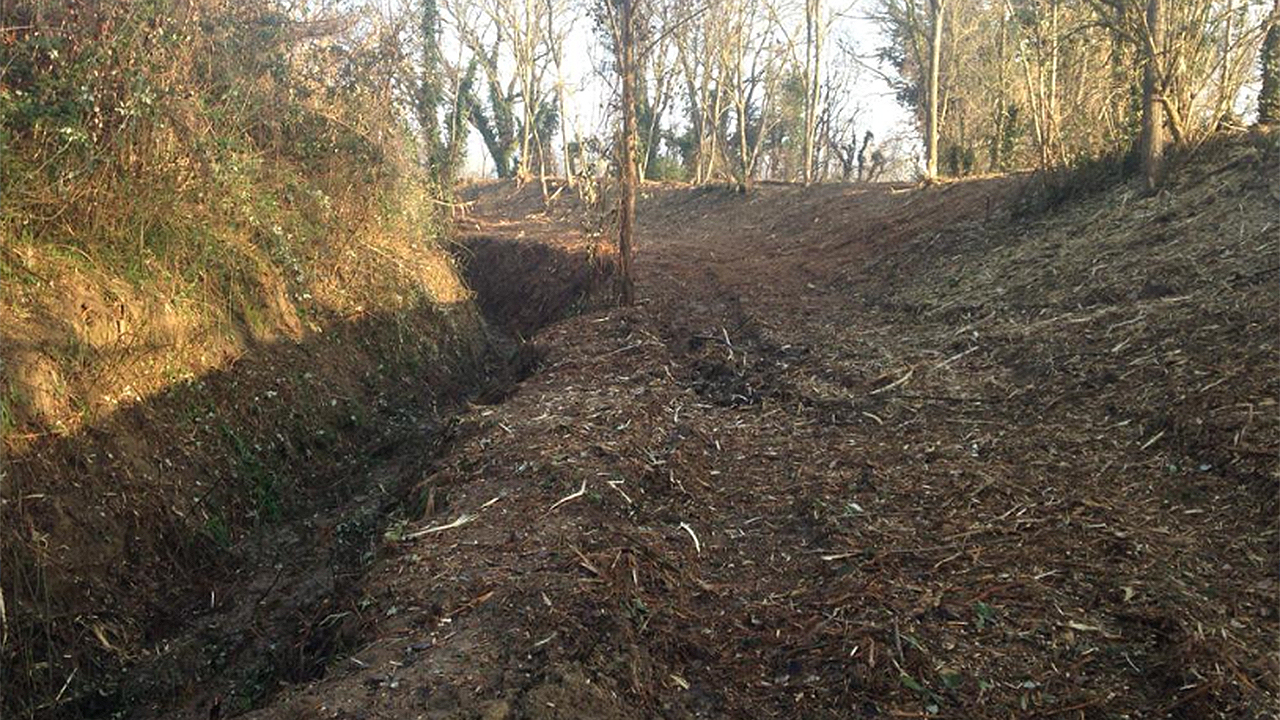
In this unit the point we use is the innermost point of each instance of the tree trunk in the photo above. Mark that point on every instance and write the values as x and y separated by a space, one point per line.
526 127
1052 121
627 154
812 76
935 60
1224 77
714 135
564 132
862 154
1269 97
1153 140
430 91
744 153
556 42
997 134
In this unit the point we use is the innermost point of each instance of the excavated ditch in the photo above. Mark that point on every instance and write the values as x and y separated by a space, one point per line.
281 605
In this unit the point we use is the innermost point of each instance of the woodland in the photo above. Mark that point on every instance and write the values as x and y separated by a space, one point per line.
615 359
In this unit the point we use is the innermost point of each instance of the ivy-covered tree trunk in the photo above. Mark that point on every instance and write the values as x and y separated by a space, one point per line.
458 121
430 92
1269 97
497 129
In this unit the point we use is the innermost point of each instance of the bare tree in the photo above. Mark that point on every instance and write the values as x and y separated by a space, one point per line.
1064 77
1153 138
510 42
751 73
697 51
805 47
936 8
620 16
558 25
815 32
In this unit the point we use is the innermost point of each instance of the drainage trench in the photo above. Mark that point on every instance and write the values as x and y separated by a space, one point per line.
288 605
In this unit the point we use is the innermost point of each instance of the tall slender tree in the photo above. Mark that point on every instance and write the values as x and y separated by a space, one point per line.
814 33
622 21
1269 95
430 90
1153 134
936 8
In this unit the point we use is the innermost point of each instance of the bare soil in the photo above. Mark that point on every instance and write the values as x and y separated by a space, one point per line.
861 452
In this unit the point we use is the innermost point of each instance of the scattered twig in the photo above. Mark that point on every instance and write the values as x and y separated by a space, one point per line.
58 698
954 358
621 350
572 496
896 383
586 563
614 484
1152 441
838 556
697 545
462 520
1058 711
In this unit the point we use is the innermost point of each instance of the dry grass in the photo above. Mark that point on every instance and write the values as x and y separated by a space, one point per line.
222 273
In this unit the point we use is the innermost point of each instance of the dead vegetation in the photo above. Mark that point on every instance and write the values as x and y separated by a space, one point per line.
873 452
224 286
1001 447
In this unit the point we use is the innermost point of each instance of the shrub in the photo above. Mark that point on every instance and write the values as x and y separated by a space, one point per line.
666 168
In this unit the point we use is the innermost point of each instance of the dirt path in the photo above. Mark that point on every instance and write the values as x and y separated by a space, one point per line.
857 453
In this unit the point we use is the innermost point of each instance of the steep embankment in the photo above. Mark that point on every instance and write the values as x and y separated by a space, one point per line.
865 451
197 452
228 316
545 267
